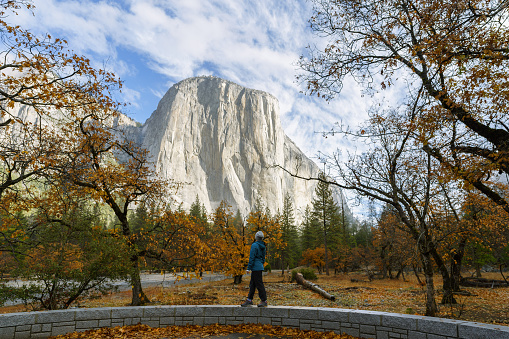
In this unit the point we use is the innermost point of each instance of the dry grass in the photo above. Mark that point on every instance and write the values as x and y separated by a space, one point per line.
398 296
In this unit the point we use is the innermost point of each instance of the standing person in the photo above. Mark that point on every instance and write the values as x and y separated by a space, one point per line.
255 265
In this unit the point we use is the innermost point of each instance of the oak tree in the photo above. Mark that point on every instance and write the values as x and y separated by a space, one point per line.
455 52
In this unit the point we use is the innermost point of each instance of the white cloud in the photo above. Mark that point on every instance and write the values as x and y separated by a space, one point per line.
253 43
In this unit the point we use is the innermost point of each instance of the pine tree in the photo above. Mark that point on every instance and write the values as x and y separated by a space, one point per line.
139 220
309 231
326 211
197 210
290 250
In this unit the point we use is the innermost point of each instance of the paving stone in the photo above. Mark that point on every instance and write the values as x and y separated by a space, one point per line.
41 335
7 332
57 330
401 321
17 319
36 328
105 323
303 313
366 317
126 312
330 325
439 326
278 312
158 311
54 316
265 320
87 324
218 311
22 335
210 320
368 329
93 313
23 328
167 321
247 311
436 336
290 322
481 331
354 332
186 311
333 314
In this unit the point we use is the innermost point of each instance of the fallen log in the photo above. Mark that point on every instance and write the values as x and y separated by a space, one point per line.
482 282
314 287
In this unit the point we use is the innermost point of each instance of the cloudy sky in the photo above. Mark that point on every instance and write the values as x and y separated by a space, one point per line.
152 44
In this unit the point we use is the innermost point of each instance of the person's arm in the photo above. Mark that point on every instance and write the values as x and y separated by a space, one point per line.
252 254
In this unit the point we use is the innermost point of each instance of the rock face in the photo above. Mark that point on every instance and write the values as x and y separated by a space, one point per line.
221 140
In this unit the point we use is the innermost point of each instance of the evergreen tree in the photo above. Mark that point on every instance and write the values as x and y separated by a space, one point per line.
290 251
309 231
326 211
198 211
139 220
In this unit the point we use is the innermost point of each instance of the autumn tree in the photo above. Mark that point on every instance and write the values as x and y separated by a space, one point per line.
394 246
314 258
261 219
103 165
231 243
451 55
490 243
68 257
176 243
40 79
394 172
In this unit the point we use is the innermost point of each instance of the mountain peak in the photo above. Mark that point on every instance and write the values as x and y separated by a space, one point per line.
222 140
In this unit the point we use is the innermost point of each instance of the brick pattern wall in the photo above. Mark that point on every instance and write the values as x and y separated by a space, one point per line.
363 324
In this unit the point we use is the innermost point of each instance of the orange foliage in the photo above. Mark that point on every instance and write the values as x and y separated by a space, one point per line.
232 242
314 257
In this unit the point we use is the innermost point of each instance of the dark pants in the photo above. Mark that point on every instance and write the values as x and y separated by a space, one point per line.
257 283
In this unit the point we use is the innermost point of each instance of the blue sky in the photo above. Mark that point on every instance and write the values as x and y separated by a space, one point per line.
152 44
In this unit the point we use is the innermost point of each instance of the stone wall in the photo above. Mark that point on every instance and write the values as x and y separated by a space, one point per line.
363 324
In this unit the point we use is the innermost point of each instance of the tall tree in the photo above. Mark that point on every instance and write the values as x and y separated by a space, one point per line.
290 249
97 161
42 80
326 212
309 231
455 52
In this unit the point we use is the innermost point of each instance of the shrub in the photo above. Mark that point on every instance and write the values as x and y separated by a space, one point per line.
307 272
267 267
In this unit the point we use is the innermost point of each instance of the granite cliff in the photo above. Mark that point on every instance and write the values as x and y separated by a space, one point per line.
221 140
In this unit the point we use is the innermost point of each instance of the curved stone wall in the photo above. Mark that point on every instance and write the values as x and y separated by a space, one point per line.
362 324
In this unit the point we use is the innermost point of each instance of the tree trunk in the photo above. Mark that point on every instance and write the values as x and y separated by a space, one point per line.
237 279
314 287
417 275
478 271
431 305
457 260
448 282
138 298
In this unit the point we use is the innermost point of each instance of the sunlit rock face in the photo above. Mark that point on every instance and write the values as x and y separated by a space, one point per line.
221 141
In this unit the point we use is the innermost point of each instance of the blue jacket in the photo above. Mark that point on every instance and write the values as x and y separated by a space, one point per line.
256 256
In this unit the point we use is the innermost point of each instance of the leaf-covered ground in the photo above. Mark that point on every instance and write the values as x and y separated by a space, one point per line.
351 291
250 330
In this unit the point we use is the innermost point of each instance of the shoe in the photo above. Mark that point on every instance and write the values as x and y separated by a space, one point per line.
262 304
247 303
